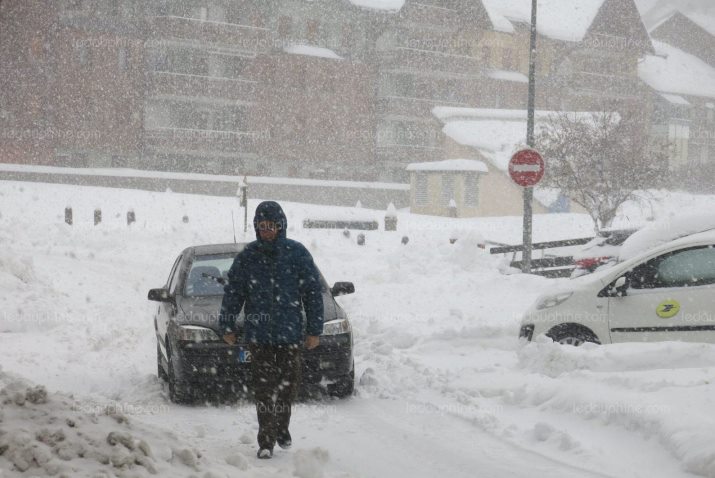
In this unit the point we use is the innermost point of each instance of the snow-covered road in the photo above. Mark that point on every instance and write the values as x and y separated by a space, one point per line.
445 388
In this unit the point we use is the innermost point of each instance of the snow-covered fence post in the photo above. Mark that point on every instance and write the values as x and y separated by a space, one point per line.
361 239
405 240
185 219
391 218
97 216
131 217
68 215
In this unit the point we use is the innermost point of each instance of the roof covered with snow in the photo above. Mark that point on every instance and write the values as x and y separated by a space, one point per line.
566 20
310 50
496 135
706 22
506 75
450 165
382 5
674 71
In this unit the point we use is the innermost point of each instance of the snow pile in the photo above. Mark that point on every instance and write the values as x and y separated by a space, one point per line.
309 463
655 389
52 434
665 230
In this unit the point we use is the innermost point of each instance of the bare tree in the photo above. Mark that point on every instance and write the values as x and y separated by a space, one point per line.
600 159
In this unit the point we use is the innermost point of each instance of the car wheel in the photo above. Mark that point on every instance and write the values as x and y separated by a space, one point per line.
160 372
178 392
572 334
344 386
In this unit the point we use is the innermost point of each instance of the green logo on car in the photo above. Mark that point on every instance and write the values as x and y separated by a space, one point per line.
668 309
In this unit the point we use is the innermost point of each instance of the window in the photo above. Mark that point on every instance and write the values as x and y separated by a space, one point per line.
74 4
83 54
313 31
122 58
684 268
486 55
173 269
471 190
285 26
348 37
421 190
113 9
215 266
507 59
447 188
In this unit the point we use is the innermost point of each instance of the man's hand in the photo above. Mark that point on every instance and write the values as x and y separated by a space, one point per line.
312 341
230 338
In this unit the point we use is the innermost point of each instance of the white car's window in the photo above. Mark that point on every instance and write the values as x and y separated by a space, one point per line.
684 268
690 267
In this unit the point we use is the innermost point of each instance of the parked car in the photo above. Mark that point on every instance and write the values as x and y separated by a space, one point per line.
665 292
193 358
600 251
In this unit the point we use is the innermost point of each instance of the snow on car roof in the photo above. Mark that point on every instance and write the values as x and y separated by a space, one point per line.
674 71
567 20
664 231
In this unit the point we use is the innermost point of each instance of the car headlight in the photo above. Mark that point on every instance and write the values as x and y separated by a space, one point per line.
194 333
335 327
553 300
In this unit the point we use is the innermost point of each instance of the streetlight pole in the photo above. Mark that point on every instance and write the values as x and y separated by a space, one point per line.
529 191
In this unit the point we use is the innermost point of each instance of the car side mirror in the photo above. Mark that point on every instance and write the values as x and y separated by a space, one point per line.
159 295
620 286
342 288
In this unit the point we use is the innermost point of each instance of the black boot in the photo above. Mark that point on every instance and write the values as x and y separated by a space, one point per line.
284 440
265 453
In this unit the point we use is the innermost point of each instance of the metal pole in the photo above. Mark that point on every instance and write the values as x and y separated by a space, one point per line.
529 191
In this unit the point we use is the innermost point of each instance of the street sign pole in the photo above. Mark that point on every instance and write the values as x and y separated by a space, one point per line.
529 190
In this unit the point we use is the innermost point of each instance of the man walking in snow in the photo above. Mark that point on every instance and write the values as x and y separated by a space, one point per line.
271 278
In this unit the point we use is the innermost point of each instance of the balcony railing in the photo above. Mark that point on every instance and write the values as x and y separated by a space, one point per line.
413 59
169 84
603 84
201 140
404 106
227 35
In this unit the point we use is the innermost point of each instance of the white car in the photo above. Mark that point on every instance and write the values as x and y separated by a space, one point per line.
666 292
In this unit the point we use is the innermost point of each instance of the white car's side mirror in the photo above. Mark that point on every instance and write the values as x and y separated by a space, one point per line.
620 283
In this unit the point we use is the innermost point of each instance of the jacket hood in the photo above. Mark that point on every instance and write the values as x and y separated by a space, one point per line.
270 211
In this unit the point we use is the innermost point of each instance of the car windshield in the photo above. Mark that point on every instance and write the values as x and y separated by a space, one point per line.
201 280
205 269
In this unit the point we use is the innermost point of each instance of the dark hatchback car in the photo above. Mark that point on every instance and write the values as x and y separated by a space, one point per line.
196 362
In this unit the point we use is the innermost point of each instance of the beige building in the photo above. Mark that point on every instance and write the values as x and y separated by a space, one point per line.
465 188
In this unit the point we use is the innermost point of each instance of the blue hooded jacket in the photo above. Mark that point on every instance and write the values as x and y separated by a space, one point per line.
273 280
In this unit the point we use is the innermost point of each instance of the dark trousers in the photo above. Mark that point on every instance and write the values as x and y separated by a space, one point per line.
275 377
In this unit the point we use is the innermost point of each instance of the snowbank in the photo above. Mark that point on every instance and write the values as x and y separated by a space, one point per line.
52 434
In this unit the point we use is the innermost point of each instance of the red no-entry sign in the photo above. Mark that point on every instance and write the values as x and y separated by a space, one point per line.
526 167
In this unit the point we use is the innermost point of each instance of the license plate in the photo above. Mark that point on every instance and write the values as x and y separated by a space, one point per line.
243 356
